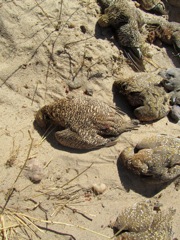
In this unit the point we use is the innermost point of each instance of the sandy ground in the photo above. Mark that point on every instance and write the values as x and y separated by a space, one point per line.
47 49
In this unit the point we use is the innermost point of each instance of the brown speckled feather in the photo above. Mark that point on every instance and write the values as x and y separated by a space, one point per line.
142 222
88 122
155 157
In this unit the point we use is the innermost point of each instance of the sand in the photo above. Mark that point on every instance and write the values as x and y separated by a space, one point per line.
48 50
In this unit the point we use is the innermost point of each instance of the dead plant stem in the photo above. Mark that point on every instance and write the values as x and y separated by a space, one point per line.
12 189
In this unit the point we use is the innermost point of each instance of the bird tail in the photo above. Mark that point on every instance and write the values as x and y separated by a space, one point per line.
131 125
135 59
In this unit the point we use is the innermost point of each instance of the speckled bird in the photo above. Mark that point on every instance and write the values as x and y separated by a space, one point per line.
156 6
155 159
122 17
144 92
144 221
88 123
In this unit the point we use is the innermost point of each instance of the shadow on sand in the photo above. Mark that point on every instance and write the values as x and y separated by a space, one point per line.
140 185
54 143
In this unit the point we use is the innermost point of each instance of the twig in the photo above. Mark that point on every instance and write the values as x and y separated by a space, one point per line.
45 136
65 224
34 93
81 65
12 189
74 210
117 233
3 228
29 151
22 219
152 63
46 79
23 222
63 205
10 75
71 237
75 42
56 188
38 205
19 67
44 13
59 17
8 227
28 220
77 175
47 164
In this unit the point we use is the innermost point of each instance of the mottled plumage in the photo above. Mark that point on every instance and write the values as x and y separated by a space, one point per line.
156 6
158 27
117 14
133 27
129 36
156 158
143 92
144 221
105 3
89 123
122 17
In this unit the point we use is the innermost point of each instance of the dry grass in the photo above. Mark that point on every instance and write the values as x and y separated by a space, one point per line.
13 155
18 225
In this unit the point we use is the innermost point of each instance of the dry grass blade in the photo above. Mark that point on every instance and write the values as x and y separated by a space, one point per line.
152 63
37 228
62 223
28 223
65 184
4 233
117 233
28 154
48 131
44 13
77 175
75 210
12 189
18 221
10 226
35 91
13 155
62 205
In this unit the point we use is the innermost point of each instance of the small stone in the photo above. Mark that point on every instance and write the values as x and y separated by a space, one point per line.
99 188
71 25
74 84
175 113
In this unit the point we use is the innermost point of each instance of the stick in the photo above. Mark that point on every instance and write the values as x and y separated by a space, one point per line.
54 189
11 190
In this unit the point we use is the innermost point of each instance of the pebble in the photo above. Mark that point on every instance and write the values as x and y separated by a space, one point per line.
99 188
